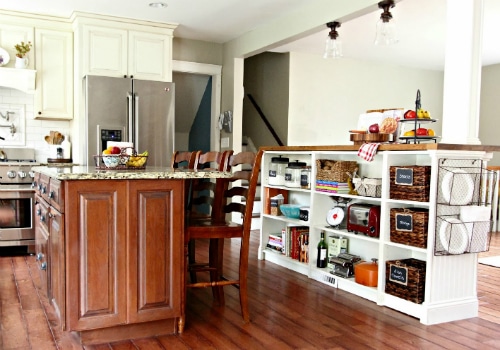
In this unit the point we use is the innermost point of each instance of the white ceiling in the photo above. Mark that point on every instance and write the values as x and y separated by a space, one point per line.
421 25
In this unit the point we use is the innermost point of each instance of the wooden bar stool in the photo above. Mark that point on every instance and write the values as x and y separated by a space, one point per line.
238 198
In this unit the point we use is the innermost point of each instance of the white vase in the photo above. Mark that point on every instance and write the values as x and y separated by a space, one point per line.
22 62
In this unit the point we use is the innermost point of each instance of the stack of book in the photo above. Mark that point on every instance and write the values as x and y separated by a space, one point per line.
292 242
332 186
275 242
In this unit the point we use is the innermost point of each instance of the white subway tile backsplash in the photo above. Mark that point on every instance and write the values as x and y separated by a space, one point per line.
34 130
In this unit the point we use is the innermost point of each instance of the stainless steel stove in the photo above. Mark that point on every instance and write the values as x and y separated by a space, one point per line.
17 197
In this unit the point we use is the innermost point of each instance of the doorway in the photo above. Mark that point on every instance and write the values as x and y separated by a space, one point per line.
198 95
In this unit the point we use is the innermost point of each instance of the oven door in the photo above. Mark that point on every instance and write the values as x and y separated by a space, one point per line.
17 216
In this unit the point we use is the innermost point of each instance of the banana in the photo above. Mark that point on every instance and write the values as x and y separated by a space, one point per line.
138 160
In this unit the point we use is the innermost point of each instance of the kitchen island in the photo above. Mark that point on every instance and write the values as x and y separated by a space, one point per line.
111 249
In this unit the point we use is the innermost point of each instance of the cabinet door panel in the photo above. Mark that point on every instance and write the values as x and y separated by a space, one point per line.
106 49
54 66
57 266
149 56
156 245
96 260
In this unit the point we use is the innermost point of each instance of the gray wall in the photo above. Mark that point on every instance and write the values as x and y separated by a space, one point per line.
266 79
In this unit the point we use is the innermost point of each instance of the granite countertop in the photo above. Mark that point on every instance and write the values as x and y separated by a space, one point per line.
91 173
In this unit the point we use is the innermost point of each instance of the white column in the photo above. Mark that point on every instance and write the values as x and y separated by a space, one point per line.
462 72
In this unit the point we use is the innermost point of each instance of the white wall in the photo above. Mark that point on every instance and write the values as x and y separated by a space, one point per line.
489 115
327 96
35 129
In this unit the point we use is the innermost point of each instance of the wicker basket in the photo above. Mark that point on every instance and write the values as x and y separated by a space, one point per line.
409 226
416 189
405 279
334 170
368 187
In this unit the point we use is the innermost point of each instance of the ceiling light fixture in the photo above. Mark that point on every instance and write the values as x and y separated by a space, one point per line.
333 47
386 30
158 4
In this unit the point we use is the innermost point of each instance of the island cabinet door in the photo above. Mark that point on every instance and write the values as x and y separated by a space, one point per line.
96 233
155 249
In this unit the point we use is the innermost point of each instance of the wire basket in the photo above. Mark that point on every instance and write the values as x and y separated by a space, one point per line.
128 159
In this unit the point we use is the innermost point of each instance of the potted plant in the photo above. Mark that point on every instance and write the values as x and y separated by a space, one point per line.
22 50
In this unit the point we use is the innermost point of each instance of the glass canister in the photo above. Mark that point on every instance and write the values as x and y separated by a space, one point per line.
305 177
277 170
293 172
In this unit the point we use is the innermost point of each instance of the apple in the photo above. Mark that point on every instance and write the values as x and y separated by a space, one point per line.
410 114
421 132
373 129
116 150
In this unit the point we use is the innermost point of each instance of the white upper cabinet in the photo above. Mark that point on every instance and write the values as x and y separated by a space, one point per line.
119 52
54 83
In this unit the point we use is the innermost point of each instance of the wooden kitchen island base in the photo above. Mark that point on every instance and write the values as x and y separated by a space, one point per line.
113 247
131 331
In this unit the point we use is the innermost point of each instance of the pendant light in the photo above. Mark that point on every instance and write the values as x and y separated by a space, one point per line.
333 47
386 30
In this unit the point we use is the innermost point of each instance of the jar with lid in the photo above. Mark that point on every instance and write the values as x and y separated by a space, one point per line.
277 170
305 177
293 172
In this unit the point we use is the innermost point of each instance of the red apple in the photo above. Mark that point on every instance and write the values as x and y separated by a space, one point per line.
116 150
421 132
373 129
410 114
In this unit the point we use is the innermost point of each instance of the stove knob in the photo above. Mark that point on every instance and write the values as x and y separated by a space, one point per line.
11 174
21 174
32 174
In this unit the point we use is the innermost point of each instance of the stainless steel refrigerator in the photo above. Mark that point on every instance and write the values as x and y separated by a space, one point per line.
130 110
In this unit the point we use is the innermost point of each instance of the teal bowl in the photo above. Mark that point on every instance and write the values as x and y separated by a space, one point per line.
290 210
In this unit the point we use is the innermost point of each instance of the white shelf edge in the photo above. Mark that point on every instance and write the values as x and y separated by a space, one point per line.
286 261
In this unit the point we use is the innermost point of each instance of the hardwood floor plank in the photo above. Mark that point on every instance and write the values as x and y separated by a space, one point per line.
287 310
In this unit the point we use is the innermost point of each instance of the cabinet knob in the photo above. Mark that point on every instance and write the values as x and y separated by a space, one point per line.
38 212
51 194
39 256
42 218
39 113
43 266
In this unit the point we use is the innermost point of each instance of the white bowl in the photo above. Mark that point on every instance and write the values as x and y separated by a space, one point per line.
111 161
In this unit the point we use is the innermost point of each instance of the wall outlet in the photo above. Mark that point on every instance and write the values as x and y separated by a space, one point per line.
224 142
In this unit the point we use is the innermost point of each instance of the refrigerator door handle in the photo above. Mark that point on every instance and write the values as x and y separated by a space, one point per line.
136 121
130 118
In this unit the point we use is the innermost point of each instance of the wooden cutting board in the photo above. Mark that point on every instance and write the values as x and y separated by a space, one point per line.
359 139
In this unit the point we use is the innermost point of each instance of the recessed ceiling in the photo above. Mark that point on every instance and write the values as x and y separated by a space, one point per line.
421 25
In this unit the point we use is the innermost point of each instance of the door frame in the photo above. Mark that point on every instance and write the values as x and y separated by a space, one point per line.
215 71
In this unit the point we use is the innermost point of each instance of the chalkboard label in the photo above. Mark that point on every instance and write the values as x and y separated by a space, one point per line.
398 274
404 222
404 176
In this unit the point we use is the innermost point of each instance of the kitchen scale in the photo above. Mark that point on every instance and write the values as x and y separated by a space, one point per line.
335 216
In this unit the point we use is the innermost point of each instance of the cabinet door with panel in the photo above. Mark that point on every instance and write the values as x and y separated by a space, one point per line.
54 81
57 263
150 56
104 51
117 52
42 244
155 247
96 245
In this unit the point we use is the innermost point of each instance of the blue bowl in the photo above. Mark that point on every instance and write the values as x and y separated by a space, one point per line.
290 210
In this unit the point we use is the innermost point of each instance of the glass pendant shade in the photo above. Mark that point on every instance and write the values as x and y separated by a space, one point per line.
386 33
333 48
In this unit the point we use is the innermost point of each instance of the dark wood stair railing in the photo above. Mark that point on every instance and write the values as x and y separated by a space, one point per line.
264 119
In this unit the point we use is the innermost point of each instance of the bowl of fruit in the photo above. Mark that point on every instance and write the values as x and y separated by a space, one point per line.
114 156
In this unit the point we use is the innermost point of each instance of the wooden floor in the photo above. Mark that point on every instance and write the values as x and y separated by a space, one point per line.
288 310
